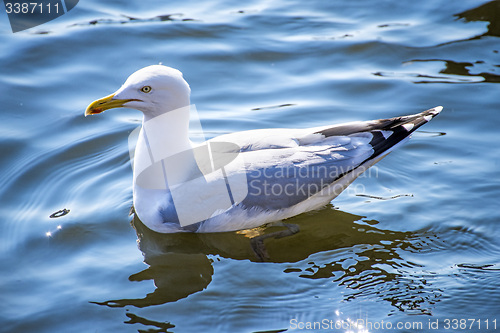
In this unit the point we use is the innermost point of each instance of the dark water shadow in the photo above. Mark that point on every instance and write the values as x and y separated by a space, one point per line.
463 72
488 12
177 17
361 259
161 327
463 69
454 72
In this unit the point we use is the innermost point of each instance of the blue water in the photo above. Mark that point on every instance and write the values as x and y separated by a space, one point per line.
429 252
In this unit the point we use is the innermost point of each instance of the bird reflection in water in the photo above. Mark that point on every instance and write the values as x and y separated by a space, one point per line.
365 261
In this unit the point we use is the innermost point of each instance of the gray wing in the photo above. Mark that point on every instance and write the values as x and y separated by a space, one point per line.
291 175
285 167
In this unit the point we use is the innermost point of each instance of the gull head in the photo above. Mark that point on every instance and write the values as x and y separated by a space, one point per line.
153 90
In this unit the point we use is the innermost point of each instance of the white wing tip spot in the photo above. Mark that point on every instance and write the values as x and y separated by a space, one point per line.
386 134
408 126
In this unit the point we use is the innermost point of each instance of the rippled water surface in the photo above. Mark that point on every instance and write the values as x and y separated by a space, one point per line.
416 240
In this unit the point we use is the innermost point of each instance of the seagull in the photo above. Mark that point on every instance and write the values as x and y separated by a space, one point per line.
245 179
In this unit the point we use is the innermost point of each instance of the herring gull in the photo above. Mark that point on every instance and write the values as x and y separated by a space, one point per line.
245 179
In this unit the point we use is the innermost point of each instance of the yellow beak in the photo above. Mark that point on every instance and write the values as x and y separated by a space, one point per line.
106 103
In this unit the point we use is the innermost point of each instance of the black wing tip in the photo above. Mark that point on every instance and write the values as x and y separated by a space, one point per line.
401 128
409 123
412 122
432 112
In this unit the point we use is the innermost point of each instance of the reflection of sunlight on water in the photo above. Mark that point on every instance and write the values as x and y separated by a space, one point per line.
51 233
340 324
348 324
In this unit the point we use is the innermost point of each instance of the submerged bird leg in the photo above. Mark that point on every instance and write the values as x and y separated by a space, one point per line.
257 243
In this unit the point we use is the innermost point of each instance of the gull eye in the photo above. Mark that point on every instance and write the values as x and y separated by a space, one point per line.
146 89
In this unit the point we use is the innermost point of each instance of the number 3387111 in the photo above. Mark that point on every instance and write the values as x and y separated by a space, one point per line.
31 8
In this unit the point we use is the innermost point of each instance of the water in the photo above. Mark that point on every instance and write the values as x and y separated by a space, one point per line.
428 255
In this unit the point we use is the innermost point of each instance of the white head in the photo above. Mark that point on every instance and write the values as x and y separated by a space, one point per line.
153 90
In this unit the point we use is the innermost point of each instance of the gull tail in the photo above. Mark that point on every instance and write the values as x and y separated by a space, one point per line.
396 130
